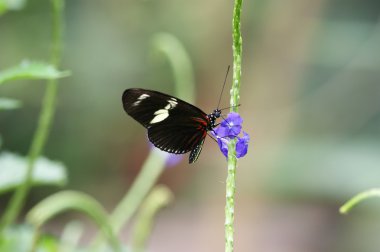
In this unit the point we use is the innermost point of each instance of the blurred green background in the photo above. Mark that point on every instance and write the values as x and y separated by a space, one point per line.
310 100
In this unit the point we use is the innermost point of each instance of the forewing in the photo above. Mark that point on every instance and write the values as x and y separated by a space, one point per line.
150 107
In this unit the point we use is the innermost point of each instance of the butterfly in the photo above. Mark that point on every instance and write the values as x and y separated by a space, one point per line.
173 125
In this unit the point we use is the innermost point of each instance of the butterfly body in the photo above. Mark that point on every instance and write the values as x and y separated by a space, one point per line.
173 125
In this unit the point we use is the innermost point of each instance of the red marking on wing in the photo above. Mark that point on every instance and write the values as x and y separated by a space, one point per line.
204 134
202 121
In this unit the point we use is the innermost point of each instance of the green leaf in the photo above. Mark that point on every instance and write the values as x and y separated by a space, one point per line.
31 70
48 243
20 238
13 169
17 238
6 5
7 103
71 200
3 7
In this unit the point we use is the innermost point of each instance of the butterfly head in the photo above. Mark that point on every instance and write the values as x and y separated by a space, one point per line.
213 116
216 113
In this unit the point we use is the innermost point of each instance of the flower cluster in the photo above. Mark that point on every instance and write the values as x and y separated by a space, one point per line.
230 129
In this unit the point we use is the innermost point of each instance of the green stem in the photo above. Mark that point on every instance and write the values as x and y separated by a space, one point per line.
147 178
45 120
156 200
180 61
375 192
235 98
64 201
151 170
35 239
230 197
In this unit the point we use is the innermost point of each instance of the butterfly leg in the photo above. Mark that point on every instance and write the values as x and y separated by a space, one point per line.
212 136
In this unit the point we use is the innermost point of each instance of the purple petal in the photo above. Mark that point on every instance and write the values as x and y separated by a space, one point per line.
242 145
213 133
230 127
223 146
235 118
235 130
222 131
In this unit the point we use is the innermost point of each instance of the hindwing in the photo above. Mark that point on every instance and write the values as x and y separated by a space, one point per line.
177 135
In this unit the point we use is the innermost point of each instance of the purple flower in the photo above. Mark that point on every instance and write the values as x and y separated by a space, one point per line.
230 127
242 145
223 146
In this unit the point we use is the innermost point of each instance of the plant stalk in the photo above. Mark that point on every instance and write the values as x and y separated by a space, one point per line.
45 119
235 98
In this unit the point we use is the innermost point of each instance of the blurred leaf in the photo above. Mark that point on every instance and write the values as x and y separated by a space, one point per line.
14 5
7 103
71 200
31 70
20 238
3 7
13 170
48 243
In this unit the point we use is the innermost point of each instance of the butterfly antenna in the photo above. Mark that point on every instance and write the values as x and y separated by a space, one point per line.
230 107
225 78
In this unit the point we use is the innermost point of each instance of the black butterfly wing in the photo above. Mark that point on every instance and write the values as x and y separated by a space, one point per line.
143 106
194 154
177 135
173 125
